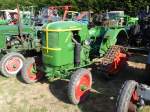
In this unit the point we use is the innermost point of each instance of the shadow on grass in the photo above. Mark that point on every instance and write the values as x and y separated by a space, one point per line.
42 80
96 102
105 99
59 89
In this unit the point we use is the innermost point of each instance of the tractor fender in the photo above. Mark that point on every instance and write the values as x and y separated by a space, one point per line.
111 37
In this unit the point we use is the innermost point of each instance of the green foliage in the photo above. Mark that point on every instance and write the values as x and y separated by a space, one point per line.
130 6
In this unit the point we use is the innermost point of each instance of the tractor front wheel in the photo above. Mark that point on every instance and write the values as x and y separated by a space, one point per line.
11 64
79 85
30 72
128 97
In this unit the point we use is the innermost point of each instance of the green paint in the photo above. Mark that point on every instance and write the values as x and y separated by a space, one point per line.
9 30
3 22
109 39
58 50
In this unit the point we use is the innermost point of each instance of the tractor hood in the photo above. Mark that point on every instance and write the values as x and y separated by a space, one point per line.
63 26
57 44
3 22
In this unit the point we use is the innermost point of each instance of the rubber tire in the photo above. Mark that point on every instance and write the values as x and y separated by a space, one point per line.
3 61
73 81
109 76
25 77
125 95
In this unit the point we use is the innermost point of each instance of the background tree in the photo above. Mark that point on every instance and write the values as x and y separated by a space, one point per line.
129 6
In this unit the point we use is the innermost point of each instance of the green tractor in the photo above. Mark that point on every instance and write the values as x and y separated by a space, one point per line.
15 46
69 47
21 38
17 42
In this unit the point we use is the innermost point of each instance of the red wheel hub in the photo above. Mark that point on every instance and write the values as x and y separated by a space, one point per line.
135 96
117 63
13 65
83 87
133 101
33 73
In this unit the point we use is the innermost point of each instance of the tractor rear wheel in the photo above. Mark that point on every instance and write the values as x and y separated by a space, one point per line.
30 72
79 85
119 60
113 61
128 97
11 64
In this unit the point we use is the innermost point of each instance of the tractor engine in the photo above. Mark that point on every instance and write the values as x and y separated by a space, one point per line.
15 41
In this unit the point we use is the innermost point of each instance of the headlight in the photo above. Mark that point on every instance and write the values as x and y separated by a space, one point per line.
8 38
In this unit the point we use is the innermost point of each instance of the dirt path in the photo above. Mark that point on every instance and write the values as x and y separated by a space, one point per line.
16 96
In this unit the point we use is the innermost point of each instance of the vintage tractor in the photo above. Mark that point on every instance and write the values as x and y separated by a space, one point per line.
133 95
9 17
17 41
54 13
69 47
117 16
62 13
